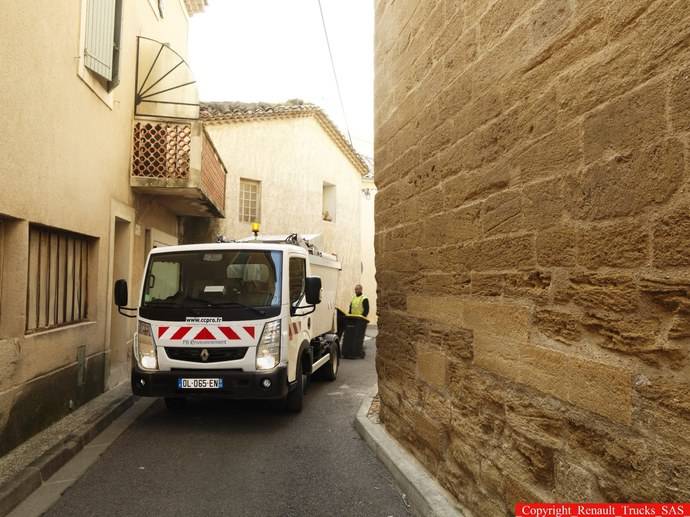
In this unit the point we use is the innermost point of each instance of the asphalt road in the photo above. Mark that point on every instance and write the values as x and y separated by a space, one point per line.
244 459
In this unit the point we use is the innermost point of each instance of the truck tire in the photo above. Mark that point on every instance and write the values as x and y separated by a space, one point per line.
295 398
329 371
175 403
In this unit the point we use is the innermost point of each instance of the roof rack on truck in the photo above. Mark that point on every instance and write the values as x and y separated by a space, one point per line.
310 242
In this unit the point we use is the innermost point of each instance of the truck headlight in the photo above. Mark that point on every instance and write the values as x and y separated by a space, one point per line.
145 348
268 349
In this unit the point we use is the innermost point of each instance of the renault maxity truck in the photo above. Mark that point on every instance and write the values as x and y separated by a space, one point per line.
252 319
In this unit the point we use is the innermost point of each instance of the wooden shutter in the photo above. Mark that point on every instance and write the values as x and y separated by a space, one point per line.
100 34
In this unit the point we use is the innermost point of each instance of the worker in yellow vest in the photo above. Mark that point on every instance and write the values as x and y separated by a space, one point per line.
359 306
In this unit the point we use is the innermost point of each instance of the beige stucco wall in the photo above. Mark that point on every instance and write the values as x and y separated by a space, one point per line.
292 158
65 164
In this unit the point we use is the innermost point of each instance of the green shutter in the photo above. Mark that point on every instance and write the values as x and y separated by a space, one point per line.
100 33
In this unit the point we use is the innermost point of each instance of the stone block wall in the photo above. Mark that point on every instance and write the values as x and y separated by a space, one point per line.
533 246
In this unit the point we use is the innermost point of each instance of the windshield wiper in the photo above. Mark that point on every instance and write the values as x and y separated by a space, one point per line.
179 302
224 304
238 304
165 303
208 303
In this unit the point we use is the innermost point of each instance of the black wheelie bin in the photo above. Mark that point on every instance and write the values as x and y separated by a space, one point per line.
354 327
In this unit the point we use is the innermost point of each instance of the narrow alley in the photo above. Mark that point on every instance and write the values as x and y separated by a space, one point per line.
242 459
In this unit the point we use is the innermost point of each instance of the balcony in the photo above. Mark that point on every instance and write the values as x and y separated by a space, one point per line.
176 162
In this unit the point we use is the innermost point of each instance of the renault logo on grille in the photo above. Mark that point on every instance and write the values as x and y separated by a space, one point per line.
204 355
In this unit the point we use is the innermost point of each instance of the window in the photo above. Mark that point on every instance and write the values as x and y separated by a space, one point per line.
102 39
298 272
231 279
250 201
58 278
164 280
328 212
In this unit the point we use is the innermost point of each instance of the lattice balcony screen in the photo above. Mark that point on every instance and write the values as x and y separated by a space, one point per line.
161 150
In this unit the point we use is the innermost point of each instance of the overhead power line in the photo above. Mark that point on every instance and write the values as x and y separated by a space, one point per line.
335 75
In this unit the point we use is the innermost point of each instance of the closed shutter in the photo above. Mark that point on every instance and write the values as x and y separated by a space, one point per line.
100 35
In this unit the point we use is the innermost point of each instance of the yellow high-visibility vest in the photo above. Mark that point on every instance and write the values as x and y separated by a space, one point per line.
357 305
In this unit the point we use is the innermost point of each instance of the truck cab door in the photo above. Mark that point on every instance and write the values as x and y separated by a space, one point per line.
298 326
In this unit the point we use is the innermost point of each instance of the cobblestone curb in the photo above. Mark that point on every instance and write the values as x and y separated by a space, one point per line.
32 466
426 497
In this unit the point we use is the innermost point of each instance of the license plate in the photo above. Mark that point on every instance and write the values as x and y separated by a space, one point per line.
199 384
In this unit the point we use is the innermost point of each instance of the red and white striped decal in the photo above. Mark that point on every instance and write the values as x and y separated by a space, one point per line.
200 333
294 328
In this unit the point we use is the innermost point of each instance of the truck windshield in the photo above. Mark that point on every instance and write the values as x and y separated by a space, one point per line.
236 278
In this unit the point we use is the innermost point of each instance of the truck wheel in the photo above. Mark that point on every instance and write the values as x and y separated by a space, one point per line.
330 369
295 398
175 403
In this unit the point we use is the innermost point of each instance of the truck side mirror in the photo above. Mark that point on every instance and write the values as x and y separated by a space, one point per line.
120 293
312 290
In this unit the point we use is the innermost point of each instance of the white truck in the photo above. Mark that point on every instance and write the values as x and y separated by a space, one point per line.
251 319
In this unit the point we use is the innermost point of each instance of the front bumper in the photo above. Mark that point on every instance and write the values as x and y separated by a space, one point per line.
236 384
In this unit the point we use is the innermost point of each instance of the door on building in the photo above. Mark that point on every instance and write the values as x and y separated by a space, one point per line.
121 328
156 239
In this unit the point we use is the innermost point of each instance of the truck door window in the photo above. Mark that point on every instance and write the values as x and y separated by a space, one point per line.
164 280
298 272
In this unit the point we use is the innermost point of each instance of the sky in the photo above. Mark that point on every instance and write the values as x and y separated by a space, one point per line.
275 50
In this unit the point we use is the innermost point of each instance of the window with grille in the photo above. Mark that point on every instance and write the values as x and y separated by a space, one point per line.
58 278
250 201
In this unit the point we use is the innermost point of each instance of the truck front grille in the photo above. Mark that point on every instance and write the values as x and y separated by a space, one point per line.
215 355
